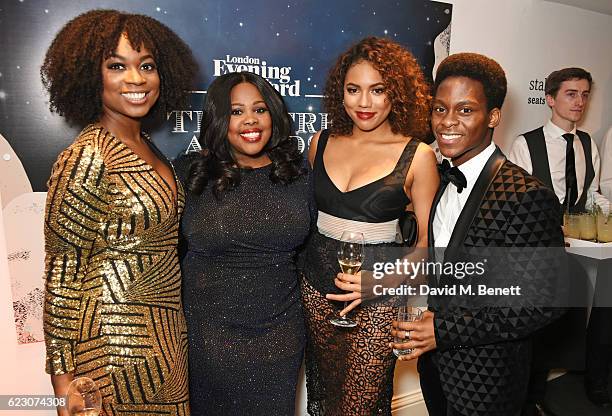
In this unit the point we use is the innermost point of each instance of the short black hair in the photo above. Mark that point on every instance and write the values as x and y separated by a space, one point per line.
554 80
479 68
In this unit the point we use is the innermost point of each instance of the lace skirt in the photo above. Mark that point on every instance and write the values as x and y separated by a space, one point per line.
349 371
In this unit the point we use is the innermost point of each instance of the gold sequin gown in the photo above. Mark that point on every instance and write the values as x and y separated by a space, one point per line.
113 307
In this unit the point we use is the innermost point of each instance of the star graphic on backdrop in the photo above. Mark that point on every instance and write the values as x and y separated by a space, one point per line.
310 40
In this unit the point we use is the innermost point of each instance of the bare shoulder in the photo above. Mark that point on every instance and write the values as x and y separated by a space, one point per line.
312 147
422 179
424 156
423 166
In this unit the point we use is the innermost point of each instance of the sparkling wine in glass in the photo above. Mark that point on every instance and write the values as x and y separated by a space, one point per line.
83 397
350 257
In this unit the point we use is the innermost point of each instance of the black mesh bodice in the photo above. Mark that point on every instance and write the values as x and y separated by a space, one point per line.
379 201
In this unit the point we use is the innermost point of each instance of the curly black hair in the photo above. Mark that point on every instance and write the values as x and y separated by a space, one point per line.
216 163
72 69
406 87
479 68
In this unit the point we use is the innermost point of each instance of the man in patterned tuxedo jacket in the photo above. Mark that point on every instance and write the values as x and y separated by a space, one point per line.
474 351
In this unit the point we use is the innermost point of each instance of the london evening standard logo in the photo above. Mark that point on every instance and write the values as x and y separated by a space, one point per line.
278 76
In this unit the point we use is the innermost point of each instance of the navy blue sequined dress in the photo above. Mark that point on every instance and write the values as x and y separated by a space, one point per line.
241 295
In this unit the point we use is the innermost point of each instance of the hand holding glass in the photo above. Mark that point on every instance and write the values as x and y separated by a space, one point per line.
83 397
350 257
405 314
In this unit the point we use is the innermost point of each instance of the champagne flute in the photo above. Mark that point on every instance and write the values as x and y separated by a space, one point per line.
350 257
83 397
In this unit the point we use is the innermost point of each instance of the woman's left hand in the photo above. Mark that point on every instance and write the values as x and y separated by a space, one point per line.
350 283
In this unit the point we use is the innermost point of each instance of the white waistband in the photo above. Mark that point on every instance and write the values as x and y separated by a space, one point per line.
373 232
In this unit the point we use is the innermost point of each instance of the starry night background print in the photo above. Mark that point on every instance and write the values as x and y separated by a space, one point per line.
306 36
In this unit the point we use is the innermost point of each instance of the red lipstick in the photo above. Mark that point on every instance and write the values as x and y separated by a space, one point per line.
251 135
364 115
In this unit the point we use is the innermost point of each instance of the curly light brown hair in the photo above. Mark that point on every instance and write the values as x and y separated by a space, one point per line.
405 87
72 69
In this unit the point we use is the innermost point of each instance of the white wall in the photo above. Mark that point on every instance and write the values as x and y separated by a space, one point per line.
530 39
21 366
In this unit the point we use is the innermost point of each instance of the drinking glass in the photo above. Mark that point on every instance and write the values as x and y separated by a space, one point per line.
406 314
571 225
588 229
83 397
350 257
604 227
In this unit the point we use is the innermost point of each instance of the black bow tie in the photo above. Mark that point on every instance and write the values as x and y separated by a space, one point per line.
452 175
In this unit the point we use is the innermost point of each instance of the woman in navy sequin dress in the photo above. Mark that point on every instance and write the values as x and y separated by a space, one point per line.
247 212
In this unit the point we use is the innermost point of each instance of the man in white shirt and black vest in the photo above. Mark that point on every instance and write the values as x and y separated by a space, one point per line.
543 151
566 160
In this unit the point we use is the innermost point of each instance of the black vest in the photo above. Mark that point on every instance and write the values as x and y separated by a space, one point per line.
541 169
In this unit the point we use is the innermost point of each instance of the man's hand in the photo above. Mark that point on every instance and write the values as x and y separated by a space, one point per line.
421 333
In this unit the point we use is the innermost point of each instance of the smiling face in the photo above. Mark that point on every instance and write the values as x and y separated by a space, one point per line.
365 99
460 119
569 103
250 126
130 82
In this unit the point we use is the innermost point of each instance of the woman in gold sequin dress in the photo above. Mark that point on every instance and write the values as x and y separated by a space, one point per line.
113 307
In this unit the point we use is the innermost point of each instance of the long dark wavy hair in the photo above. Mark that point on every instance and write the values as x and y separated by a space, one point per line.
405 86
215 165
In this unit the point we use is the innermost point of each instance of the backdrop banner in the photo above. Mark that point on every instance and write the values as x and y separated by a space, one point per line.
290 43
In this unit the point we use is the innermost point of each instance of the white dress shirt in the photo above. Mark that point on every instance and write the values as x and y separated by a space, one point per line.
556 147
452 202
605 182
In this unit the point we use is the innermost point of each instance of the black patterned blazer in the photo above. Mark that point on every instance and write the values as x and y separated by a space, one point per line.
483 344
